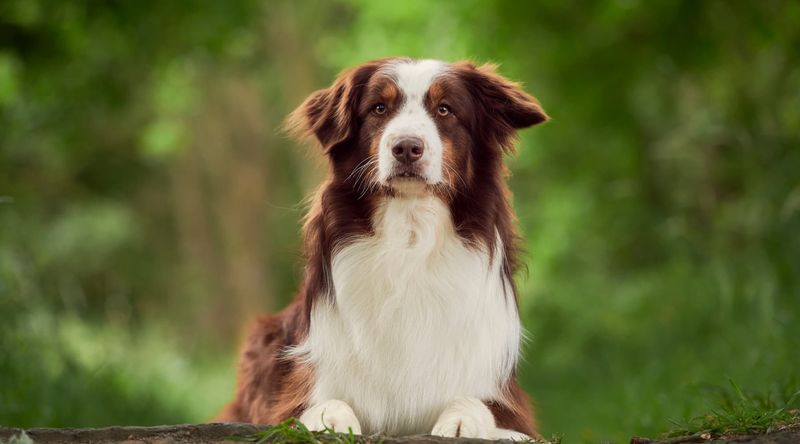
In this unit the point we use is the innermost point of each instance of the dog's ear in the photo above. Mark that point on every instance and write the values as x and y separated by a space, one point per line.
330 114
505 107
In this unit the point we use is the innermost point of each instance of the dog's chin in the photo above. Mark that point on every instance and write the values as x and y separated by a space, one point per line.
408 185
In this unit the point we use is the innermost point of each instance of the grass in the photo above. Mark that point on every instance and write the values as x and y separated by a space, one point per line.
294 431
740 414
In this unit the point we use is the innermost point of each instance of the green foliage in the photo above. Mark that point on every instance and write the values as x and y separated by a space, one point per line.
293 431
149 207
61 371
740 414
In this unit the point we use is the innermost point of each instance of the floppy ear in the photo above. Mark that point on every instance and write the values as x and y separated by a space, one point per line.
505 106
330 113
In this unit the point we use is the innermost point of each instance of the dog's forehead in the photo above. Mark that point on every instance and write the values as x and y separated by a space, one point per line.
414 77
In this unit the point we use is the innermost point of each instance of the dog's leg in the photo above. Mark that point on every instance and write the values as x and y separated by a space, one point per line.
465 417
332 414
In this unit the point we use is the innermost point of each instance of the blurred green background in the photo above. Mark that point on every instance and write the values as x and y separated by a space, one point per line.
149 206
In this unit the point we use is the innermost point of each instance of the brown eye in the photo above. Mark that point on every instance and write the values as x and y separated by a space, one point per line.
379 109
443 110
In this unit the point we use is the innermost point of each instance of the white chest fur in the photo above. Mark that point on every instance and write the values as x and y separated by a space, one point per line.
419 320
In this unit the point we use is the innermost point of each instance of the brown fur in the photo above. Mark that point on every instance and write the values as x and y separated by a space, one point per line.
487 111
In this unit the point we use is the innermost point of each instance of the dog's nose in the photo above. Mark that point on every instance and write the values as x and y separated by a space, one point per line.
408 149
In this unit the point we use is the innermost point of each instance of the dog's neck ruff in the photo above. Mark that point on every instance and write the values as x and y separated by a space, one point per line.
418 318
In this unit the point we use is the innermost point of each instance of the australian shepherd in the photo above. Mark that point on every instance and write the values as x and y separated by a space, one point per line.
406 321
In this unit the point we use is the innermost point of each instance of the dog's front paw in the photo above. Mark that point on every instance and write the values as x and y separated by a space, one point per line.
332 414
465 417
511 435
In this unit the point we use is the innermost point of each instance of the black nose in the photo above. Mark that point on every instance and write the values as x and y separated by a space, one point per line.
408 149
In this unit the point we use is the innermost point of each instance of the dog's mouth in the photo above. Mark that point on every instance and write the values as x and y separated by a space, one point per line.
402 172
406 176
407 182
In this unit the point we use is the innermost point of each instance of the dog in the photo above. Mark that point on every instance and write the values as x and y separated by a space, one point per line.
406 321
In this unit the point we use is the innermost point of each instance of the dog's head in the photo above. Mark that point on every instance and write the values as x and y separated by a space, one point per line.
403 126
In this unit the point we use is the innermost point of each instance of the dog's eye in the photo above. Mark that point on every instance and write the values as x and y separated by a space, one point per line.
379 109
443 110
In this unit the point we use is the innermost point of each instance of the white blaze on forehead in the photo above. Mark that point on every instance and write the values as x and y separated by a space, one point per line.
413 79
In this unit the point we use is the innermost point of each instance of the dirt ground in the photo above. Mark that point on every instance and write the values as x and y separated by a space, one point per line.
220 433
